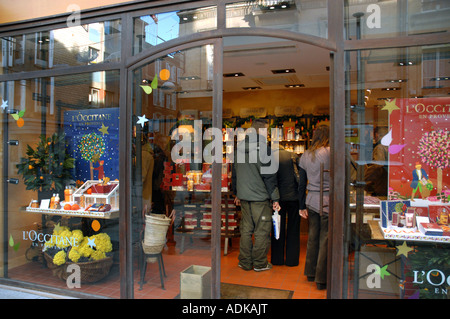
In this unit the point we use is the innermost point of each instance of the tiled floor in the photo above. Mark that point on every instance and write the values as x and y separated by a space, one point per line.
279 277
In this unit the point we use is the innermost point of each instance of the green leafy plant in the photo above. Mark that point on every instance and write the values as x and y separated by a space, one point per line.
48 166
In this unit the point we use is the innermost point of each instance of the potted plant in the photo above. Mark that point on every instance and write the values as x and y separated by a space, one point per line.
47 168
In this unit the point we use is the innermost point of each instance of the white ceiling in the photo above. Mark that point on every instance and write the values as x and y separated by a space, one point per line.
255 57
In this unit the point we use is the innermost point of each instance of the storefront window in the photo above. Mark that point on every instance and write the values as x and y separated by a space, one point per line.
172 174
307 17
397 132
77 45
60 152
396 18
154 29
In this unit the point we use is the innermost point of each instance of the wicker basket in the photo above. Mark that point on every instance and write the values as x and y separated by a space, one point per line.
156 227
90 271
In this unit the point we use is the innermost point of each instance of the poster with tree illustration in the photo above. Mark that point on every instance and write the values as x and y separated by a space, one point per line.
419 148
92 138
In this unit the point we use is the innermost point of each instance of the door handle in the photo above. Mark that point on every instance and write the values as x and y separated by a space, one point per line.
13 180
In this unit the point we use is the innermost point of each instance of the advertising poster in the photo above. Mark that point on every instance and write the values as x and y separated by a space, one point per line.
92 138
419 145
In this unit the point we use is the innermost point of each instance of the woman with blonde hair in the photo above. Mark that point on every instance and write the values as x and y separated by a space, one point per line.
317 156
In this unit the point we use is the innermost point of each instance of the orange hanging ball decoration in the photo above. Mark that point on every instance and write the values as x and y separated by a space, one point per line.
95 225
164 74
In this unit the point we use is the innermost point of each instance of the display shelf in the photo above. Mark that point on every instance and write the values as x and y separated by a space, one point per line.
413 234
194 216
74 213
111 196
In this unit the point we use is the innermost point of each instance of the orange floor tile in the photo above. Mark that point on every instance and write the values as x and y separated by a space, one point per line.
279 277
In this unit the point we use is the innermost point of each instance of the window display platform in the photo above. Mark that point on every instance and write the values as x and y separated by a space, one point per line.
74 213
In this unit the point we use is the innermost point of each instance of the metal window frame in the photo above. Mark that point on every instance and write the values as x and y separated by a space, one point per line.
335 43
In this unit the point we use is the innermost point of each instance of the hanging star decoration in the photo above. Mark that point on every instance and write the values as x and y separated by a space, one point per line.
390 106
104 129
4 104
383 271
142 120
91 242
57 228
403 249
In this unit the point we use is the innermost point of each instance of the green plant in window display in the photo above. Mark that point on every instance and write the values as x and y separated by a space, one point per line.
48 166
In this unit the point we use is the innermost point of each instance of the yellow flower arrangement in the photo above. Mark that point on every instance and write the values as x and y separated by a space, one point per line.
60 258
74 255
103 242
97 255
78 235
77 245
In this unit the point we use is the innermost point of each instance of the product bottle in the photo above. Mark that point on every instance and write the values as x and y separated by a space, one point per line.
70 193
57 200
52 202
66 194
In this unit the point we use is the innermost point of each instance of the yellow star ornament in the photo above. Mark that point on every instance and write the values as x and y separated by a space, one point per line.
403 249
390 106
104 129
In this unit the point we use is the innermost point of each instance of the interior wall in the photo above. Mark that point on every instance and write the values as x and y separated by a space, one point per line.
307 98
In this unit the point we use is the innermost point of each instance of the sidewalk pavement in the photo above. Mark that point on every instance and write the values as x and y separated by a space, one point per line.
9 292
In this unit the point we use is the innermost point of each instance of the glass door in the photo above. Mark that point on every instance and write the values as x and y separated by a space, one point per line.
173 148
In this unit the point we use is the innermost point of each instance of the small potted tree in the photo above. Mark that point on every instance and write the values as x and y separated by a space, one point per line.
47 168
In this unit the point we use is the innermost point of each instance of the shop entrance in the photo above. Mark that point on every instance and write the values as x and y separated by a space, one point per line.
265 83
275 84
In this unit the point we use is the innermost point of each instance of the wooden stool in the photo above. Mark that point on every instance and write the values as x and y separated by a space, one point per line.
162 271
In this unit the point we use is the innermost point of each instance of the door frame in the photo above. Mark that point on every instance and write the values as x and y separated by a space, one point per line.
216 39
127 290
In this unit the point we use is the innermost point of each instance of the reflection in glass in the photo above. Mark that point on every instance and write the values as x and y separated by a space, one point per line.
396 18
77 45
172 103
67 133
154 29
307 17
397 136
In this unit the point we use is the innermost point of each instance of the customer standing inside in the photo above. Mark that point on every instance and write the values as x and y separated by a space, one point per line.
253 191
316 252
289 240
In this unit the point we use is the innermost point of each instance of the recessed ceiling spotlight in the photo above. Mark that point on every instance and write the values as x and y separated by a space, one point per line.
233 75
405 63
190 77
251 88
280 71
441 78
295 85
397 81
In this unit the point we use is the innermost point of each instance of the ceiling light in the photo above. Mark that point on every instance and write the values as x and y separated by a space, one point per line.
190 77
405 63
283 71
295 85
390 89
397 81
251 88
441 78
232 75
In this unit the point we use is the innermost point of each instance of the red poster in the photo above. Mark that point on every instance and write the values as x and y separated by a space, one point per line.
419 148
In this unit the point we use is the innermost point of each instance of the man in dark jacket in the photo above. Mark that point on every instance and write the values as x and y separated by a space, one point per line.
254 190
